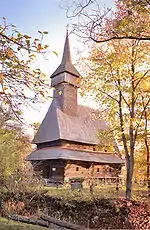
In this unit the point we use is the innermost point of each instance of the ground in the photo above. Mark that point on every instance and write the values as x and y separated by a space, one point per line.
6 224
104 209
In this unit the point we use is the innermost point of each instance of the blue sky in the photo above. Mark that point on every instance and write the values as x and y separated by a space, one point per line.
29 16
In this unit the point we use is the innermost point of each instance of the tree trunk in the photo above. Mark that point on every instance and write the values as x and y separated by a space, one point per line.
129 166
130 157
147 153
148 166
148 181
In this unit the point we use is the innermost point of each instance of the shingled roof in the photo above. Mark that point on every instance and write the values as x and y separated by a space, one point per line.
66 64
83 127
72 154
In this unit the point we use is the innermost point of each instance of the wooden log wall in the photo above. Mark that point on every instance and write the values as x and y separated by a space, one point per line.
90 171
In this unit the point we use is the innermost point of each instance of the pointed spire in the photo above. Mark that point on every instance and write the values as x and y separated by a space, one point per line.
66 63
66 54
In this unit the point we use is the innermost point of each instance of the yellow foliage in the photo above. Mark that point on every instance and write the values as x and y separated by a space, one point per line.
1 76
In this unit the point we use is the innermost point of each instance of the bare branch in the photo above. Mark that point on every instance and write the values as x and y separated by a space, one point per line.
142 114
141 78
108 95
120 38
77 12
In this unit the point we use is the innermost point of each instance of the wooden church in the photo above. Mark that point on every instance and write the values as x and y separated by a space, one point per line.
67 143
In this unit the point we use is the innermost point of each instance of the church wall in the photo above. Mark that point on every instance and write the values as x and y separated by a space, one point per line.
61 170
83 147
53 169
90 171
76 170
78 146
90 147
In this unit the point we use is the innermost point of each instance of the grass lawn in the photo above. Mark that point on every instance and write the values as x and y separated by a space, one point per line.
14 225
106 191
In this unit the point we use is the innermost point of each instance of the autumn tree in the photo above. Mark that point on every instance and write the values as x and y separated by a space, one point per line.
119 68
116 79
14 145
19 82
91 20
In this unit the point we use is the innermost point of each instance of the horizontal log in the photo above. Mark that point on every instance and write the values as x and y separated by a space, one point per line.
27 220
63 223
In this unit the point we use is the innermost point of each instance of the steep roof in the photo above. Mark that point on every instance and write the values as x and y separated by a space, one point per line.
66 64
69 154
82 127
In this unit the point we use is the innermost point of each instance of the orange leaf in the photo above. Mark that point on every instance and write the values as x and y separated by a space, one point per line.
39 46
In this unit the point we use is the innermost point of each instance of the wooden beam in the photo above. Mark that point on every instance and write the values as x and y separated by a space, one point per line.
29 221
46 221
63 223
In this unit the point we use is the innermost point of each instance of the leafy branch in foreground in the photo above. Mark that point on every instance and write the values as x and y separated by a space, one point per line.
19 82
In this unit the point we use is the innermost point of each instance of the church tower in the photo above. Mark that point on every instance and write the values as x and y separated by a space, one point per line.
65 81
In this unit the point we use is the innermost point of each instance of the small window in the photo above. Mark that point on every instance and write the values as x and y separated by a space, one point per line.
53 169
97 169
105 150
94 149
110 169
77 168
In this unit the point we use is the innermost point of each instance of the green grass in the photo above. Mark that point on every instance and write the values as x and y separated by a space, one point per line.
14 225
83 195
105 191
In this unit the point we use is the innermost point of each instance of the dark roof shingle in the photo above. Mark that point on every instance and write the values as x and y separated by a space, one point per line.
83 127
77 155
